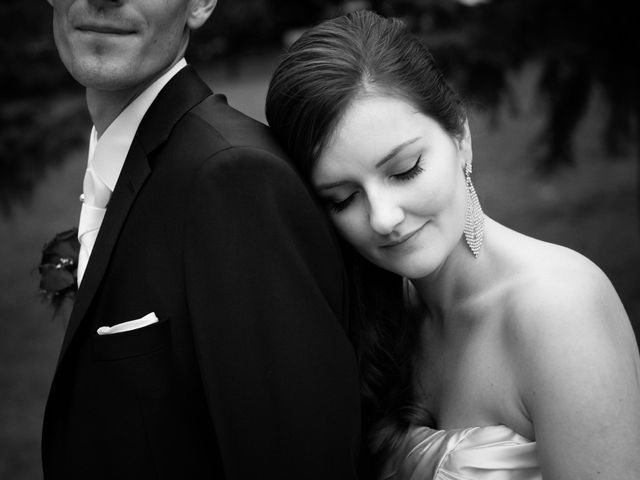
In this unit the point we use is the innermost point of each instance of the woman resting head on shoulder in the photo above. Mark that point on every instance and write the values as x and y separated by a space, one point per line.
502 353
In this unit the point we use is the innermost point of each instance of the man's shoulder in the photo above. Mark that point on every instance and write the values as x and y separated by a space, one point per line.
188 117
215 121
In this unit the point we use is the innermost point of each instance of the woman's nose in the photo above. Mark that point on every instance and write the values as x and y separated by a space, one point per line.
384 214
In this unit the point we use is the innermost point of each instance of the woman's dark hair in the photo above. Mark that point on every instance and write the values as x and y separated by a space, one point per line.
342 59
323 72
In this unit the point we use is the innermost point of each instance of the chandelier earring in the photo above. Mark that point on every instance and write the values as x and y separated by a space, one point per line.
474 218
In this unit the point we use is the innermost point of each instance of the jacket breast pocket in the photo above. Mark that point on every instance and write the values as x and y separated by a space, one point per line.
133 343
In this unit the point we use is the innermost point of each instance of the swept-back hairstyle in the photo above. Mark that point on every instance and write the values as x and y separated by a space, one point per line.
324 71
342 59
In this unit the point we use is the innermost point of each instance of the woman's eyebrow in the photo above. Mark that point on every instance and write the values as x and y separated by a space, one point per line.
395 150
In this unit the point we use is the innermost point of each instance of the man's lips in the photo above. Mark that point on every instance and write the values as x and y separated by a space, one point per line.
105 29
401 240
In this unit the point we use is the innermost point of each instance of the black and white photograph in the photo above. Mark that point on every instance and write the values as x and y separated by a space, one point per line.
319 239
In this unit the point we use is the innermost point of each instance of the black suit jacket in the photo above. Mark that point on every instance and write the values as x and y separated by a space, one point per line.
249 373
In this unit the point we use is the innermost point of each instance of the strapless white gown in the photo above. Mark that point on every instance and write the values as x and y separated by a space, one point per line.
476 453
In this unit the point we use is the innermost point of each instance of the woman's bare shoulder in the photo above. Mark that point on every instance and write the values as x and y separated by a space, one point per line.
552 292
541 281
575 360
557 285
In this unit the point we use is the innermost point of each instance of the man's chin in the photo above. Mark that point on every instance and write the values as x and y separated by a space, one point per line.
104 76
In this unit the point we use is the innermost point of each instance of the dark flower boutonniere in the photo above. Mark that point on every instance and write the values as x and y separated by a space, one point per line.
59 268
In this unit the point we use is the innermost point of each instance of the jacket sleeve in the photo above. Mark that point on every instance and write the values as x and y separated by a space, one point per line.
265 293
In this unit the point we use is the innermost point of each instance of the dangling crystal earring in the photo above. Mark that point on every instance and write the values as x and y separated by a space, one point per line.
474 219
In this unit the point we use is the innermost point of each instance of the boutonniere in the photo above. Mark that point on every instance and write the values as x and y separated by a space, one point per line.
59 268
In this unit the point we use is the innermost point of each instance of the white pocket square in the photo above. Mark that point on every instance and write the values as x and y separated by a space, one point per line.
148 319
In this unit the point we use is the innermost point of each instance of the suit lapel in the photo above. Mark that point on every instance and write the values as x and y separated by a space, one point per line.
183 92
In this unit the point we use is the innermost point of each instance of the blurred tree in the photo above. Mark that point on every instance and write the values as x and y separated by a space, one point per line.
582 47
585 49
238 28
30 64
36 126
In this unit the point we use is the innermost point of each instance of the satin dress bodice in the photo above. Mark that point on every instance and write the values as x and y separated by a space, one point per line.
476 453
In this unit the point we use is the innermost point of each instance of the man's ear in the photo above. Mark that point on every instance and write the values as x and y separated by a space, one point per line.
464 145
200 12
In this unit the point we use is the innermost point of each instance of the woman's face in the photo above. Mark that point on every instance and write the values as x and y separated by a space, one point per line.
393 182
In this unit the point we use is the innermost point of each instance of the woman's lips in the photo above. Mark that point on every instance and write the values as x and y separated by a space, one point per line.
401 240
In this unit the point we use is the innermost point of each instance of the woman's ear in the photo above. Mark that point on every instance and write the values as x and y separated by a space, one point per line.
200 12
464 145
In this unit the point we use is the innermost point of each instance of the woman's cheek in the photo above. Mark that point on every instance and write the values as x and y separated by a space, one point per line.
351 227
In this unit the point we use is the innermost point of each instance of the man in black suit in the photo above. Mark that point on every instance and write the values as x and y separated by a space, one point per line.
207 336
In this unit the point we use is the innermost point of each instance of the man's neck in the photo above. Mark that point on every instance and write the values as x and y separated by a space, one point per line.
105 106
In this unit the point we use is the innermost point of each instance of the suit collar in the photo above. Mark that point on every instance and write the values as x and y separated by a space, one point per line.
108 153
181 94
184 92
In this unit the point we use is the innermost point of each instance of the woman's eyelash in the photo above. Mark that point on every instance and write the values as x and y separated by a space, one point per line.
411 173
337 207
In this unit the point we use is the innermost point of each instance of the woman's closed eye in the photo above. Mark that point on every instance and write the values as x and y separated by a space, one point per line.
336 206
413 172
